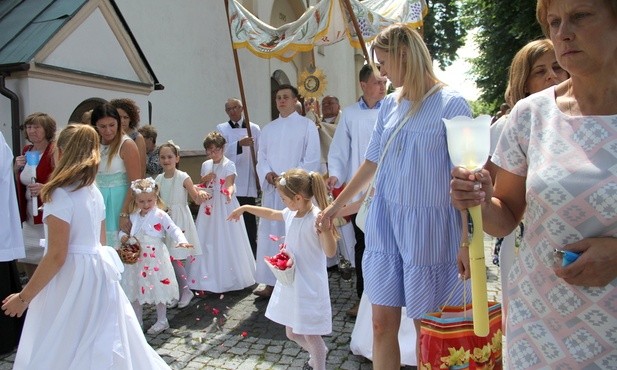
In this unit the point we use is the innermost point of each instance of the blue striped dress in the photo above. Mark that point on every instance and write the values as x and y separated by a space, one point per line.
412 229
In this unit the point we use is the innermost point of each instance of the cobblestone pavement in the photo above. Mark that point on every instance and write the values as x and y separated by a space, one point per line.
229 331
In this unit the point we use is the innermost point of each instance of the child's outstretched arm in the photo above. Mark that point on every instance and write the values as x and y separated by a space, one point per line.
174 231
198 196
262 212
229 187
327 239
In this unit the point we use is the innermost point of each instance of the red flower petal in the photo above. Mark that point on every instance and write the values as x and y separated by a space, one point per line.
166 281
215 311
244 334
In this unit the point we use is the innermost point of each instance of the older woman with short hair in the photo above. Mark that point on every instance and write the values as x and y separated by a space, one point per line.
556 169
40 131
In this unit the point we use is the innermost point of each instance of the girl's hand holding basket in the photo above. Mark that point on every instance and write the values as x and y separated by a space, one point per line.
129 250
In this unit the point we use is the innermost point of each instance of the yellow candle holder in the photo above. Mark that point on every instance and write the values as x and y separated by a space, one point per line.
468 146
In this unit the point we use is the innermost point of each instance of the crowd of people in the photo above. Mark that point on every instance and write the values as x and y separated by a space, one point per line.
551 167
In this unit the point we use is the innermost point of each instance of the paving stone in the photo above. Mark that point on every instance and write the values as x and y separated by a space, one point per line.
197 341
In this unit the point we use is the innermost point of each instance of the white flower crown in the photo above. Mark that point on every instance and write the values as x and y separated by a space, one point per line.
148 189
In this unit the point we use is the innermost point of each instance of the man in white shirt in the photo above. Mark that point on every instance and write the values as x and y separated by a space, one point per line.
238 150
348 148
290 141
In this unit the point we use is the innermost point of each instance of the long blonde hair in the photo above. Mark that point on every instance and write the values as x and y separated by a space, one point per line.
78 146
408 52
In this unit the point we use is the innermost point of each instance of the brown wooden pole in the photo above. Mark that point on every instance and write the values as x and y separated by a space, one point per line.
356 27
247 121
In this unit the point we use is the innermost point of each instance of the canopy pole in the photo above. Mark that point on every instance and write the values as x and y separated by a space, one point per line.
247 121
357 29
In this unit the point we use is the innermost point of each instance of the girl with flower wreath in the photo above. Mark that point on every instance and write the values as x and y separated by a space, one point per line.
175 186
304 305
227 262
151 279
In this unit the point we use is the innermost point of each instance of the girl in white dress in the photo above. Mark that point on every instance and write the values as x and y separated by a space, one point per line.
227 262
151 279
78 317
174 187
304 305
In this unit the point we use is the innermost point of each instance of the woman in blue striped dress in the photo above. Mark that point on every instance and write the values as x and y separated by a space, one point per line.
412 255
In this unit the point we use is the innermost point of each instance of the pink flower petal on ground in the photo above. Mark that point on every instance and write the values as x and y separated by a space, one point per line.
244 334
215 311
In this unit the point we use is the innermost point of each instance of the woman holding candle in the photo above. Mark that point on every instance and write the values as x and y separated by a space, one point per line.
40 130
555 168
412 230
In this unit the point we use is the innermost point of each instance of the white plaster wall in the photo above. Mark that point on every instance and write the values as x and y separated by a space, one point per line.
93 47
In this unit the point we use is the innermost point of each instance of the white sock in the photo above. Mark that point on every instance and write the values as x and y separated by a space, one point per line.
138 312
317 350
181 277
161 312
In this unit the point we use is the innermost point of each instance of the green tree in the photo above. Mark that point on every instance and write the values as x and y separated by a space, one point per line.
443 32
502 28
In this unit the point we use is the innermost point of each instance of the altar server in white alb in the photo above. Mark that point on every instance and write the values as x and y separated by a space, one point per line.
238 150
290 141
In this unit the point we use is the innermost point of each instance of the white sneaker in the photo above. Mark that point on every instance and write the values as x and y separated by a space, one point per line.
158 327
185 300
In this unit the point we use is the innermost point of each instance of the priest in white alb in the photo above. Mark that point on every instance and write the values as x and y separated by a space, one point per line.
290 141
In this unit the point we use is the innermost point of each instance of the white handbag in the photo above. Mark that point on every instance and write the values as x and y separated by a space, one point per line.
368 198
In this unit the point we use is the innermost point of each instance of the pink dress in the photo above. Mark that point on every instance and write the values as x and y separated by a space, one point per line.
570 165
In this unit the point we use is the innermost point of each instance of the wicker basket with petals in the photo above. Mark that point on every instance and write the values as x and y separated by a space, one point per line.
129 251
